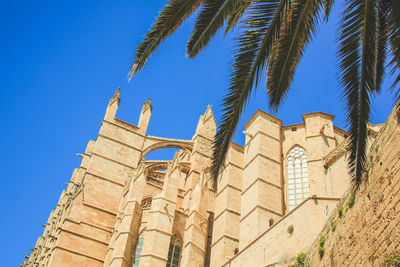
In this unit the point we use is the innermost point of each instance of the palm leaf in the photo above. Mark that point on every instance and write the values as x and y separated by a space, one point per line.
291 45
368 82
209 21
357 54
328 7
394 38
382 42
254 47
171 17
349 56
240 9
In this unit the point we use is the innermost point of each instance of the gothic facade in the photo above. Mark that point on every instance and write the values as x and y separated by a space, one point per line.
272 198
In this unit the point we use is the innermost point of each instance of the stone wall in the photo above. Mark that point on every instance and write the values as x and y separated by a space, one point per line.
292 233
369 231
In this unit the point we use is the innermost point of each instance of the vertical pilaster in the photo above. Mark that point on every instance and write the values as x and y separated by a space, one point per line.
194 248
197 193
201 155
144 117
113 106
226 226
320 141
127 226
262 195
158 233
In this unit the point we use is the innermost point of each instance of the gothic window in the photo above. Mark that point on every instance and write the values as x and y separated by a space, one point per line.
174 252
138 251
298 185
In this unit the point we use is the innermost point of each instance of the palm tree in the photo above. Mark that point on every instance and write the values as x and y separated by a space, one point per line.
273 37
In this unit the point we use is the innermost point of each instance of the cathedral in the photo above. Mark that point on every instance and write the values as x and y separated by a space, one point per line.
271 200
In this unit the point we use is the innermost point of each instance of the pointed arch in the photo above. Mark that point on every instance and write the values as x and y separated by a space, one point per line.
297 173
296 145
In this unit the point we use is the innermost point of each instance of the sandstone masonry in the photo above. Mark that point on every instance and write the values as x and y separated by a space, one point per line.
273 196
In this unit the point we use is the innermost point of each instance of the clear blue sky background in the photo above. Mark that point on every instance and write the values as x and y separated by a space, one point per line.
61 61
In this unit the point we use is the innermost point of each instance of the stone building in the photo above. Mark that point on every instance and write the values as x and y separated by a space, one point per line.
273 195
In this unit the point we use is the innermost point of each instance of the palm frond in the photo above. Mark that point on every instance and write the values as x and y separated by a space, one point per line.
253 50
211 18
357 55
368 82
394 39
328 4
382 42
240 9
171 17
290 47
349 56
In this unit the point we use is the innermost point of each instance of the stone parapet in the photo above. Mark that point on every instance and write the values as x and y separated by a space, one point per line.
289 235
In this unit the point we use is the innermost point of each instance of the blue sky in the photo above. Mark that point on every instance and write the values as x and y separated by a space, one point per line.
61 61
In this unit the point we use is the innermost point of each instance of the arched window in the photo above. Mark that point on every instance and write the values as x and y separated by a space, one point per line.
138 250
174 252
298 186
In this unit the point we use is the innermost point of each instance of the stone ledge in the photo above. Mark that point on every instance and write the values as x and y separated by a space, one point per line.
84 236
196 226
262 156
154 256
263 208
225 187
262 133
90 224
226 210
119 142
79 253
196 246
113 160
91 205
103 178
117 257
162 212
263 181
225 236
158 230
226 165
267 116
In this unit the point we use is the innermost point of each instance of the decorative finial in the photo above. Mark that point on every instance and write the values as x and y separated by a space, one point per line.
117 93
116 96
208 114
147 105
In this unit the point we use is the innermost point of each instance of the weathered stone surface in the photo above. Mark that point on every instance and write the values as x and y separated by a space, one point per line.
118 202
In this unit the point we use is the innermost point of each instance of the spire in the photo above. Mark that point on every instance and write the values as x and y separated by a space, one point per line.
113 105
209 114
207 125
116 96
147 105
144 117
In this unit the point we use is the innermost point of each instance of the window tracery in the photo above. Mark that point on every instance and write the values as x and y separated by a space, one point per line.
298 181
138 251
174 252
